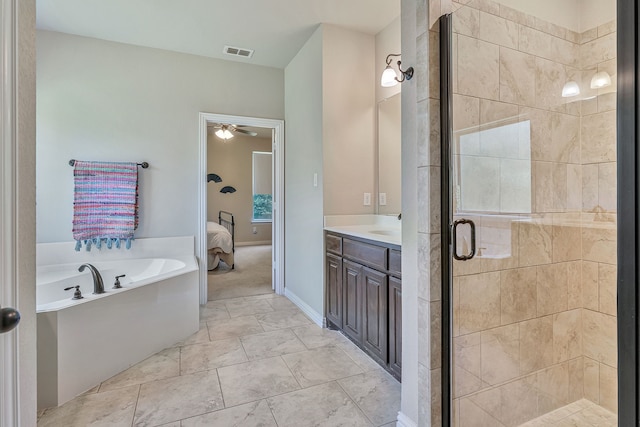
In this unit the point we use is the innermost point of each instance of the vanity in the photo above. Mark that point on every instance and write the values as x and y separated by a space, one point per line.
363 289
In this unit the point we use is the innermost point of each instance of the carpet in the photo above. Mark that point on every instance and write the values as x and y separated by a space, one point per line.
251 276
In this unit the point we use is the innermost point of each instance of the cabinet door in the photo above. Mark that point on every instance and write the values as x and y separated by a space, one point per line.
375 314
395 326
334 289
352 300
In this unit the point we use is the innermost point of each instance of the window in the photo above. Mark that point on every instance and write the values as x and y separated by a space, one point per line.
262 178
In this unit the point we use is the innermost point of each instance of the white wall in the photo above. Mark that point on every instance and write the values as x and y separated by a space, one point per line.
388 41
303 201
232 161
348 117
100 100
597 12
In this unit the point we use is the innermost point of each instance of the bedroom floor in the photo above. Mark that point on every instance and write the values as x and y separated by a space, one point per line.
251 276
256 361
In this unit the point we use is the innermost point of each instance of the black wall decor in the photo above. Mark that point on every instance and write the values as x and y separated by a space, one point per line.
213 177
228 189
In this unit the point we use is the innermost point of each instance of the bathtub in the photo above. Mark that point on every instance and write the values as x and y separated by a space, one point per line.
82 343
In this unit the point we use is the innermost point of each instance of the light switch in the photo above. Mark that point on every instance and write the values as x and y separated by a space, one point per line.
382 199
315 179
367 199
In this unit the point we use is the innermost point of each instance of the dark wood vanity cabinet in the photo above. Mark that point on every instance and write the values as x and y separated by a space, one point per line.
363 296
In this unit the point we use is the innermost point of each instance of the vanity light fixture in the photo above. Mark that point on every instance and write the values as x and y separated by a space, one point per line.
570 89
600 80
390 78
224 133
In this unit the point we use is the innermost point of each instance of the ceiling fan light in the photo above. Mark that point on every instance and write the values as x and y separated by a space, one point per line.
224 133
600 80
389 77
227 134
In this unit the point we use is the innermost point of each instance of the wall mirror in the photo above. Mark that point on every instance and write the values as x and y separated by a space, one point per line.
389 156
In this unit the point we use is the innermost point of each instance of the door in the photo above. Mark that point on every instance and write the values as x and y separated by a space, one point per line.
374 312
395 326
9 317
334 289
352 300
530 213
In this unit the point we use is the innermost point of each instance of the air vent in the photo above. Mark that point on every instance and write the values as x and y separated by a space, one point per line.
238 51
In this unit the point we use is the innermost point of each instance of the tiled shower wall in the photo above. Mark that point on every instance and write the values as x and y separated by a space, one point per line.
536 329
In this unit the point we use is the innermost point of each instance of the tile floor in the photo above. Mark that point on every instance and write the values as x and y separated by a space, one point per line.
582 413
256 361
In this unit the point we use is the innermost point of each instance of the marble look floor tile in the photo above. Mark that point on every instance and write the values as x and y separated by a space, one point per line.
251 381
321 365
109 409
361 359
282 319
273 343
220 304
314 336
212 355
234 327
376 393
246 308
199 337
177 398
254 414
214 314
282 303
270 295
325 405
164 364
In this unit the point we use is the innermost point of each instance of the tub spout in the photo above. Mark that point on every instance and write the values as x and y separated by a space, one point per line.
98 286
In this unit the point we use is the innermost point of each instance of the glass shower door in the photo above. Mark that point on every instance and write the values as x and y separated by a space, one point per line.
532 220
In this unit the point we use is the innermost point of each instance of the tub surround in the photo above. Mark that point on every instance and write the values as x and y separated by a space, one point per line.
379 228
83 344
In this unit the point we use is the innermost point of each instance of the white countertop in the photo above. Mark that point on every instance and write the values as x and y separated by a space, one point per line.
380 228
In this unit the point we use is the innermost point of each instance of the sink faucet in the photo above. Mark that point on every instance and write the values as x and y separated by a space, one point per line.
98 286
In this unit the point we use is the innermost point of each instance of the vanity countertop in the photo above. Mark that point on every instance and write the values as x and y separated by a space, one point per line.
380 228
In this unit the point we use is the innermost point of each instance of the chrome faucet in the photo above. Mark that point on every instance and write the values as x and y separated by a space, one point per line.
98 286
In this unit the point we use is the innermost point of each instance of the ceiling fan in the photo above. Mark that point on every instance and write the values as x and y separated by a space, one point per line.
227 131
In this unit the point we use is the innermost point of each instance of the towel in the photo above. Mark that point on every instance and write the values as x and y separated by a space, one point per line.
105 204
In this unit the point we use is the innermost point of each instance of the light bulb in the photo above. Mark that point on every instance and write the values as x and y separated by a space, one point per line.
570 89
388 78
600 80
224 133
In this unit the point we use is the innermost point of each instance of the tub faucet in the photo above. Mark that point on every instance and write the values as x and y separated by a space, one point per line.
98 286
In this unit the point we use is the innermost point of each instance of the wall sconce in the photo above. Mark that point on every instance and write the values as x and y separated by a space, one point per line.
600 80
224 133
390 78
570 89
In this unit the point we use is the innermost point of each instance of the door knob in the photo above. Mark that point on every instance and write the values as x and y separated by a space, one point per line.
9 319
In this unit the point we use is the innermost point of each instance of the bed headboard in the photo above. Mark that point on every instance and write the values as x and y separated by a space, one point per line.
227 221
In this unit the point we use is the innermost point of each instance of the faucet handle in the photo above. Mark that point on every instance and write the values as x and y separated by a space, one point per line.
77 294
116 284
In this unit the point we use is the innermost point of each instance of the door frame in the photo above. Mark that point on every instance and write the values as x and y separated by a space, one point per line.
277 255
9 381
628 161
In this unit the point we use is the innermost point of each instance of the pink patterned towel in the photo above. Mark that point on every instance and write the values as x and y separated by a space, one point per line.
105 204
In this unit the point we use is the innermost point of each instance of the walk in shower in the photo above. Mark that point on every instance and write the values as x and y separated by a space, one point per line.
529 93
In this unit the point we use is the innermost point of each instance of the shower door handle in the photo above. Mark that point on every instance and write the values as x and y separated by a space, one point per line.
454 238
9 319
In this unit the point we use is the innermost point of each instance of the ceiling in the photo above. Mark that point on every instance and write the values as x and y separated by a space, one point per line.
275 29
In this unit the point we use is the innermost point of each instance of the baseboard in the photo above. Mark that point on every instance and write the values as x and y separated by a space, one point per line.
256 243
404 421
306 309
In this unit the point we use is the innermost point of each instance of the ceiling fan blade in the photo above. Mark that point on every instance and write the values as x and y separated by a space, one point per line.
246 132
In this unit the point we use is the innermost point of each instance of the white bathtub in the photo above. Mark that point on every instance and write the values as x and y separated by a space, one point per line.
84 342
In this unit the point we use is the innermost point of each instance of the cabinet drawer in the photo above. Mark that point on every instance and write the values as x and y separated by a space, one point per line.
395 262
333 244
371 255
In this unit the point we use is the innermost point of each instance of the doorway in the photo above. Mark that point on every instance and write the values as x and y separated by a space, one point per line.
277 260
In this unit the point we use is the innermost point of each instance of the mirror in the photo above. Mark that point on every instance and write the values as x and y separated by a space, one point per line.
389 156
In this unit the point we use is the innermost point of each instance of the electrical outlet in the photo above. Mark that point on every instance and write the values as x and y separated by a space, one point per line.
255 230
382 199
367 199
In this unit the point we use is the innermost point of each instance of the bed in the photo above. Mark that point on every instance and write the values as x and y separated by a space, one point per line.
221 240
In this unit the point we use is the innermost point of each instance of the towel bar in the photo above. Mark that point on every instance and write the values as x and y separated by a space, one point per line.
143 165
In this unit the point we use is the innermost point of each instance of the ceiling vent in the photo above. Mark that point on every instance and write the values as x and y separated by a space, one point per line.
238 51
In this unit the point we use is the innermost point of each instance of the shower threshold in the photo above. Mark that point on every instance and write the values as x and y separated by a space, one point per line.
582 413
